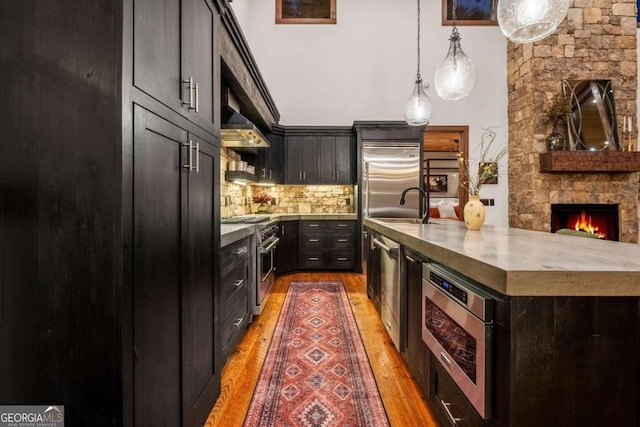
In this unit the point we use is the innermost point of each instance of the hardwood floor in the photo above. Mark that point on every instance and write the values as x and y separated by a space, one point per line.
403 401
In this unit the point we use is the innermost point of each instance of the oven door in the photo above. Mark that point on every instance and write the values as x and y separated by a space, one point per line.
461 342
266 269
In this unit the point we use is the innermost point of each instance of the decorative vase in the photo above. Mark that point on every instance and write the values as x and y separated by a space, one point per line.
555 140
474 213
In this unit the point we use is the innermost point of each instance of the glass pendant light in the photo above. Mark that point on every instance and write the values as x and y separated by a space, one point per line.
524 21
418 110
456 76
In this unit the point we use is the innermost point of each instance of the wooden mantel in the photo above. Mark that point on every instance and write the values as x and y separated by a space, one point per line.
590 161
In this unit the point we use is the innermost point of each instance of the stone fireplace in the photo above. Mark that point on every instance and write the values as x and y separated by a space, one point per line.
596 41
599 220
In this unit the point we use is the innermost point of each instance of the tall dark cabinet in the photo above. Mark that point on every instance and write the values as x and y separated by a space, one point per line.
109 209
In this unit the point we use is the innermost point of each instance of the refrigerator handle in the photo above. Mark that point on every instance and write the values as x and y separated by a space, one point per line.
366 189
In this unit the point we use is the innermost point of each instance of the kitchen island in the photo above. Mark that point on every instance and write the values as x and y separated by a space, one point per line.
564 341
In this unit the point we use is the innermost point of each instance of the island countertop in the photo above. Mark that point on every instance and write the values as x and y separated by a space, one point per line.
522 262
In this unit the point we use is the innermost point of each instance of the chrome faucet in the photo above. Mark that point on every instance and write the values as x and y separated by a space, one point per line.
425 195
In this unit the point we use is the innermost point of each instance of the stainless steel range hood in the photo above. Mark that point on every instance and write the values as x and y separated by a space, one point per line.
240 133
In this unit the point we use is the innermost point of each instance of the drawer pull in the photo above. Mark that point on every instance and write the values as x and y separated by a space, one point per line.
314 225
446 360
446 407
238 322
314 240
342 225
342 258
238 283
342 240
314 258
240 251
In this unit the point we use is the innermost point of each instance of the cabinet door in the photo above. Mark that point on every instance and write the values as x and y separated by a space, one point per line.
287 249
156 50
416 351
344 157
270 162
327 160
198 25
293 165
310 160
159 183
201 383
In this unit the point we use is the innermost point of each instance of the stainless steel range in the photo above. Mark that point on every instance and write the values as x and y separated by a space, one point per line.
267 241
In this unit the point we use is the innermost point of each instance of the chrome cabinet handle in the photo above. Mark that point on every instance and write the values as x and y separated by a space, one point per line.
342 258
337 175
283 230
300 175
314 225
238 283
342 240
197 156
446 406
196 108
189 83
446 360
238 322
190 164
304 175
264 172
269 173
314 258
410 259
314 240
342 225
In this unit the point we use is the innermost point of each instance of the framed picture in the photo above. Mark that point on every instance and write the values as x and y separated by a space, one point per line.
638 8
438 183
470 12
305 11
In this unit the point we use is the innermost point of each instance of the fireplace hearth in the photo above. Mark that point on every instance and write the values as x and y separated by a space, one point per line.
598 219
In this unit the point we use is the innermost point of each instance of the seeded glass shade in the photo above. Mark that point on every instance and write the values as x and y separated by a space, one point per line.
456 76
418 110
524 21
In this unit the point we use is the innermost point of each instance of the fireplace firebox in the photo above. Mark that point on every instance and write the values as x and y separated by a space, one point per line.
598 219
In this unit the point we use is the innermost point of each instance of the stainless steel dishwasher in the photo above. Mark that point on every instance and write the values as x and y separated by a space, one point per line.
390 287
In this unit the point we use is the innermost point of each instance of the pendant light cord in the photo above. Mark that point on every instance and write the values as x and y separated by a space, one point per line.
455 35
418 77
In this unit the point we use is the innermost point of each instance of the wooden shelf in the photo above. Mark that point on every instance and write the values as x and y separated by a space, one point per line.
590 161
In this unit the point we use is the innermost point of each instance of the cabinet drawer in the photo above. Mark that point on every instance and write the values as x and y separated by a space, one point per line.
342 225
312 225
234 281
233 324
341 259
449 402
341 240
312 240
234 254
312 259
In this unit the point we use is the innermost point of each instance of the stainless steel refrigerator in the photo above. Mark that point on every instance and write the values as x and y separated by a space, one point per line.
387 170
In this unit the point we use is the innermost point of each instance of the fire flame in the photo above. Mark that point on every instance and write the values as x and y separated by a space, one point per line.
584 223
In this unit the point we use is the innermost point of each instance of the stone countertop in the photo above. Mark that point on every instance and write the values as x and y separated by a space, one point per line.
522 262
307 216
230 233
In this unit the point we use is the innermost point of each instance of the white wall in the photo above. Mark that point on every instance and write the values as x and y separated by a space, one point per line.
363 68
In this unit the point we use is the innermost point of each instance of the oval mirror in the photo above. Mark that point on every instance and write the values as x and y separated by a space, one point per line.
593 124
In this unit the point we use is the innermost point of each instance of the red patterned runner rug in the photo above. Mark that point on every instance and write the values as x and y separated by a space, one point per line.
316 372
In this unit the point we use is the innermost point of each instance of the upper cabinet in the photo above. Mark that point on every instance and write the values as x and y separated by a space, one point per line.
319 155
176 66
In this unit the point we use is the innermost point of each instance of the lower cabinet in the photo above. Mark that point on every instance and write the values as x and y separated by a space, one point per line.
416 352
234 297
373 269
452 407
287 249
328 244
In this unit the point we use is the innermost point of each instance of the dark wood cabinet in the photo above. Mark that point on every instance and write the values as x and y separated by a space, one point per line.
301 165
416 352
173 273
327 244
176 65
374 289
319 155
335 160
270 162
110 245
287 249
234 295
